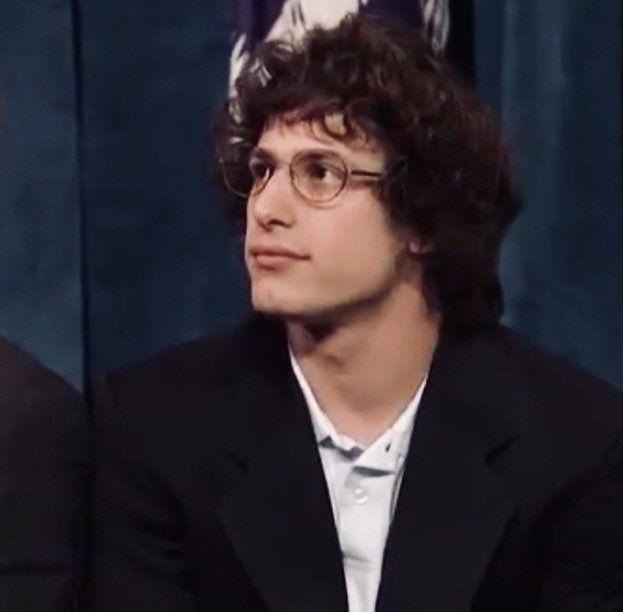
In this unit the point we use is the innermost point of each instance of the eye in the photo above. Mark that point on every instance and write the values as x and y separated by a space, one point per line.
317 171
260 170
321 170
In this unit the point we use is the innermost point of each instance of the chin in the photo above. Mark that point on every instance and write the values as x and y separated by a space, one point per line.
286 309
280 310
308 314
305 307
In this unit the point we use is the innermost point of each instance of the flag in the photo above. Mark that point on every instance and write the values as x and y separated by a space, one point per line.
256 20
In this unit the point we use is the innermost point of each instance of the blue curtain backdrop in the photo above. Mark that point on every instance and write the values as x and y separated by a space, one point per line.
40 279
159 264
552 70
113 243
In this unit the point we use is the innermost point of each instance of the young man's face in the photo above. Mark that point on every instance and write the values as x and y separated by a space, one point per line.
343 254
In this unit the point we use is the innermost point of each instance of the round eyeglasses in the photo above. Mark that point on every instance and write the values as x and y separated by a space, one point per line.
317 175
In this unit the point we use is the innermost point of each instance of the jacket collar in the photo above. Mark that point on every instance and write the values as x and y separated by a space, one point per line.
454 500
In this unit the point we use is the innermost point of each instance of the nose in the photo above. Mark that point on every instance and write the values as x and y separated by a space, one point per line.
274 205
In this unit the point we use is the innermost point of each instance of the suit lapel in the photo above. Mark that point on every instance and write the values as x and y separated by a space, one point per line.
454 502
278 517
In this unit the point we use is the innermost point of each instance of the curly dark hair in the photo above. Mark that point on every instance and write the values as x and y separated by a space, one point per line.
450 180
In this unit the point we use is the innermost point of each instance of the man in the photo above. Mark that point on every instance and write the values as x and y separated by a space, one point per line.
43 461
373 438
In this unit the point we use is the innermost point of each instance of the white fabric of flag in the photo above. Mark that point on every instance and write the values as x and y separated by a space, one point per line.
295 17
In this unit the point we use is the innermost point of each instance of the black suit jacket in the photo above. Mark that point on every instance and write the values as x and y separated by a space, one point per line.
43 463
210 493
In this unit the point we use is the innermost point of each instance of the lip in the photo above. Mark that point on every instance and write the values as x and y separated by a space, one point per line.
275 251
272 257
272 262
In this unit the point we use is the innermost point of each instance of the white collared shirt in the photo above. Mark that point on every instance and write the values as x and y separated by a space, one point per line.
363 484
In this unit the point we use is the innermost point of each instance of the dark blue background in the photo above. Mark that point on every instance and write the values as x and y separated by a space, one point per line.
113 244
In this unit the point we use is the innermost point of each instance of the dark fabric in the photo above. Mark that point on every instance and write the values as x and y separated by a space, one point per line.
553 72
210 494
161 266
40 289
43 461
122 94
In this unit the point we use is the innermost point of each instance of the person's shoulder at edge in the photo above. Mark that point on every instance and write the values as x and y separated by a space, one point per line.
44 448
569 408
207 357
38 405
552 374
191 378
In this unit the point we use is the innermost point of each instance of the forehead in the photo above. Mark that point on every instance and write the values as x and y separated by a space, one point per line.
285 137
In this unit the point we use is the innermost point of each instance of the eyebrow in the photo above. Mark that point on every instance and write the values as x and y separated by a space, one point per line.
266 153
260 152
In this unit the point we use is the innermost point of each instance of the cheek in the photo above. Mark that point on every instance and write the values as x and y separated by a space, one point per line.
357 246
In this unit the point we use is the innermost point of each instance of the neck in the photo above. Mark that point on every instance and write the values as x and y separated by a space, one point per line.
364 369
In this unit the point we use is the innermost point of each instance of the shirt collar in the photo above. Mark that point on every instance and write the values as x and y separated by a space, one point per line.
385 453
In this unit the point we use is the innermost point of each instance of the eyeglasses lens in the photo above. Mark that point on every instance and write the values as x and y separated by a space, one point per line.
319 176
237 178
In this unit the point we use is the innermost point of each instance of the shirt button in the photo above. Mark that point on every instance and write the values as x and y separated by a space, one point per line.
360 495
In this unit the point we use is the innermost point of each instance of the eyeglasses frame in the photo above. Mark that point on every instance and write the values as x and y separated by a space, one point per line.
349 172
